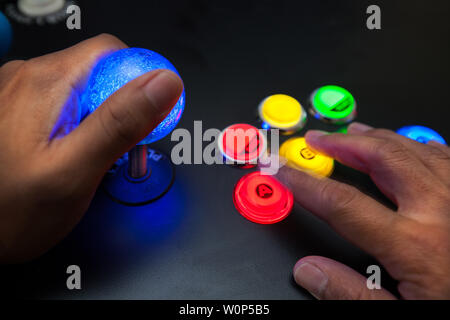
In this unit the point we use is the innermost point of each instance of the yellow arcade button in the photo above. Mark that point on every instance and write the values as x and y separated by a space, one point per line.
282 112
301 157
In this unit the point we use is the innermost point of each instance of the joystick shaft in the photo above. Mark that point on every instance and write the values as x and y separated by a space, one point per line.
137 162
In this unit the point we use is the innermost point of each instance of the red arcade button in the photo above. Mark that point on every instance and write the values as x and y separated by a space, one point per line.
262 199
242 144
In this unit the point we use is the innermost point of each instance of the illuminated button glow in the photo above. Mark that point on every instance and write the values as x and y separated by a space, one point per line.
242 144
301 157
5 35
421 134
343 130
333 104
282 112
262 199
115 70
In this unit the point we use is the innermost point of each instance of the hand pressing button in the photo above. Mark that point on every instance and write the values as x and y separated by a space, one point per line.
301 157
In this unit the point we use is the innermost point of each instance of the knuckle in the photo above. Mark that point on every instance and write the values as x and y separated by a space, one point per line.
435 154
9 71
13 64
29 68
341 196
442 197
43 75
379 132
27 72
107 41
362 293
391 151
118 123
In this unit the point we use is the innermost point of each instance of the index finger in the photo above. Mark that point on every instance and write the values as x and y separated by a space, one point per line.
400 175
432 157
354 215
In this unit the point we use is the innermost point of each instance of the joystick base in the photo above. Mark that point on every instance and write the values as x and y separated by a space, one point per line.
123 188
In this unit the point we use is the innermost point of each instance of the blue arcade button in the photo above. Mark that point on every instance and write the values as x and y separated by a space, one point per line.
5 35
421 134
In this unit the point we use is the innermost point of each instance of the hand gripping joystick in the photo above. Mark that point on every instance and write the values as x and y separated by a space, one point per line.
143 175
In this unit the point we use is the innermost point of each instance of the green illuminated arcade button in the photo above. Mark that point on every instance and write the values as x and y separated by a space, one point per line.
333 104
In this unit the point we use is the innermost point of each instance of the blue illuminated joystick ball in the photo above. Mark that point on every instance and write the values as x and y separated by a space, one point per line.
115 70
5 35
421 134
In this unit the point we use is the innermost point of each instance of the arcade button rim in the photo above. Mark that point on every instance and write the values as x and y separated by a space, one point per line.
252 214
300 124
237 162
336 121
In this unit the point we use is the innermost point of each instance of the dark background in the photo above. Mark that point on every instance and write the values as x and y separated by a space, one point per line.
192 244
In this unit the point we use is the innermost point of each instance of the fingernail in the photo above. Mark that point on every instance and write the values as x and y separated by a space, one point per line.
357 127
311 278
314 135
163 90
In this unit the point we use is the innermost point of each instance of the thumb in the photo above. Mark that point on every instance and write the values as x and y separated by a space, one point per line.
327 279
123 120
